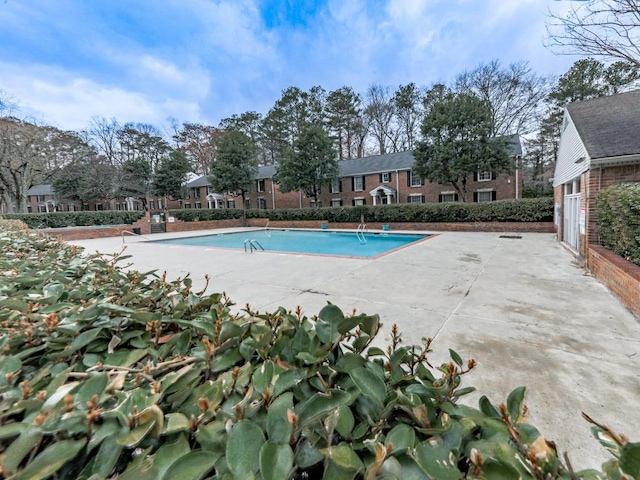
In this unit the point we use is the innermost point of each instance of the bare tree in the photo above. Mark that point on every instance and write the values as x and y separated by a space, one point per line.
379 111
407 101
514 94
603 28
103 135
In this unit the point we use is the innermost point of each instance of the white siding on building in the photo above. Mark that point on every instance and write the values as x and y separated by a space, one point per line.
571 149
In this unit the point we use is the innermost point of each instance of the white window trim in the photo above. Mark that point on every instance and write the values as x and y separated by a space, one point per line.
485 191
483 173
355 183
386 177
335 186
412 180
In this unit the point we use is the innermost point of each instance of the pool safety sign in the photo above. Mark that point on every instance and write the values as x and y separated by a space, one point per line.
583 220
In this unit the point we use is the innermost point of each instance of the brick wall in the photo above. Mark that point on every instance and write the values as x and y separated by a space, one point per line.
620 276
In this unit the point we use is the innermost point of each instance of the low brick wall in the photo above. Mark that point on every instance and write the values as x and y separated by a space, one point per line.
180 226
620 276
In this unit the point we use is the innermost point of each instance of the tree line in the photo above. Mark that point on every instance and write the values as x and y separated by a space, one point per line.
113 160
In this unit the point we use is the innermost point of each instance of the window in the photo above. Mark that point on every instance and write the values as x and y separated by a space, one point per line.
415 199
317 204
358 183
336 203
42 209
385 177
152 205
72 208
247 204
414 179
41 198
160 205
260 186
359 201
484 176
231 204
187 205
99 206
336 185
486 196
448 197
262 203
196 193
198 205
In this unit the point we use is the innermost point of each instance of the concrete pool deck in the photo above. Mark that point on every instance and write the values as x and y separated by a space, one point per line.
522 308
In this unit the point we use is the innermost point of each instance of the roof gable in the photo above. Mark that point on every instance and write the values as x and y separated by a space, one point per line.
608 126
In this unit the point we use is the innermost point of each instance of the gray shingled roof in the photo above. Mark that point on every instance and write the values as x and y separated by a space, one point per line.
609 126
46 189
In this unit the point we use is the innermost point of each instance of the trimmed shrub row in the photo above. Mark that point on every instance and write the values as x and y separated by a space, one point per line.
76 219
526 210
618 215
202 214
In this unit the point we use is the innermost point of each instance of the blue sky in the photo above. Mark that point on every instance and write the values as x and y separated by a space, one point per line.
66 61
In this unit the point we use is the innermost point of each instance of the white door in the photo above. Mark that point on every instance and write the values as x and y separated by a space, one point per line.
572 221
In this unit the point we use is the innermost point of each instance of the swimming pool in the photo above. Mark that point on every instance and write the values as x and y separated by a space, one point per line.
304 241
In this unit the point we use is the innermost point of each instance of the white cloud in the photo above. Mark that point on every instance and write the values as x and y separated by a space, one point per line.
68 102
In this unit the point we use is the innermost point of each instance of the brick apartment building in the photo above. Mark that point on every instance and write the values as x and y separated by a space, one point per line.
375 180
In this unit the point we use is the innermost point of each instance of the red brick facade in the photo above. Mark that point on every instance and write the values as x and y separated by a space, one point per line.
620 276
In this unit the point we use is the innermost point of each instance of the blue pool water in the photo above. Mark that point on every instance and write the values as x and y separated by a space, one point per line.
305 241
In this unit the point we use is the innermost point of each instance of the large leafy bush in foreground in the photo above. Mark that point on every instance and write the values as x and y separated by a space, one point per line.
109 373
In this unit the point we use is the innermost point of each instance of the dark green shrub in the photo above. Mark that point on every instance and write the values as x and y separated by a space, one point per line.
525 210
202 214
618 216
76 219
114 373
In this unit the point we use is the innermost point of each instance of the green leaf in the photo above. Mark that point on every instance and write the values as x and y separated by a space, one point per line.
95 385
229 330
278 426
344 463
455 357
375 352
487 408
107 457
11 430
630 459
329 319
20 448
514 403
370 384
262 376
243 448
84 339
169 453
307 456
402 437
51 459
346 421
276 461
193 466
319 405
175 422
135 436
288 379
437 461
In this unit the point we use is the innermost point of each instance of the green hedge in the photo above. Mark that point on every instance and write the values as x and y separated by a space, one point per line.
75 219
202 214
618 216
116 373
525 210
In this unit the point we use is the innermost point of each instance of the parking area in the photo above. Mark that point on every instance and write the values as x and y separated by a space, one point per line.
519 305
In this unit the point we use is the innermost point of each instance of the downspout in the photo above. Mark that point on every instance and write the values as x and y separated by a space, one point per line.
397 186
517 178
273 194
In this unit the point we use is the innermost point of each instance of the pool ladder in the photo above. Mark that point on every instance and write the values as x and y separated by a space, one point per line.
362 228
251 245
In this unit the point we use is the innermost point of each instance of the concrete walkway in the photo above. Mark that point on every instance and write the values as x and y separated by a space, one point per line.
523 308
